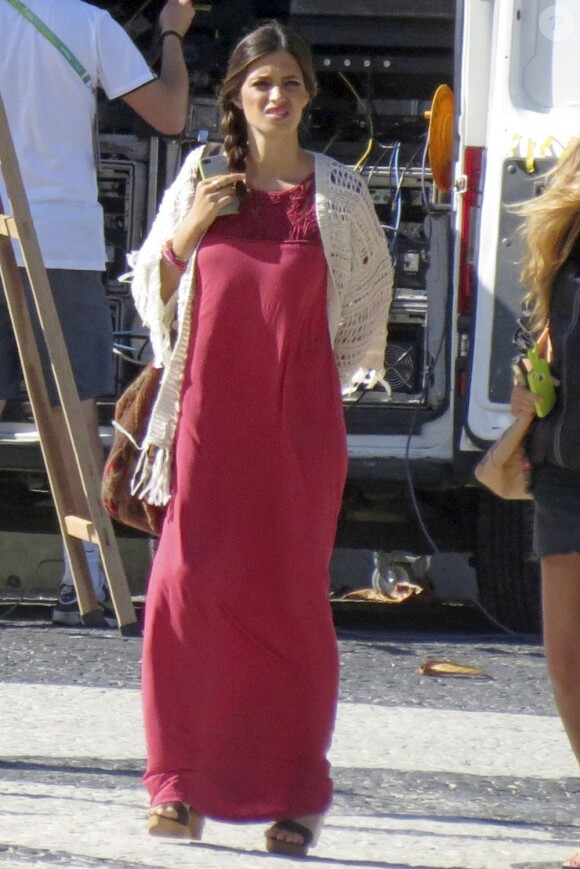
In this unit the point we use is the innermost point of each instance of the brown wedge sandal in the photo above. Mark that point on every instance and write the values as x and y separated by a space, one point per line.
292 849
174 820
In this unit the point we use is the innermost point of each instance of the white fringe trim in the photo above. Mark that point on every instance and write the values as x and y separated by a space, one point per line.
366 379
127 434
151 480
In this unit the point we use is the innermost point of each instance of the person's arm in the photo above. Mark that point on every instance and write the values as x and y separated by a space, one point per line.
154 282
163 102
522 402
210 197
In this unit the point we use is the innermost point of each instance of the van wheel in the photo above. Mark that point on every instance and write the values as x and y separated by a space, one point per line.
508 575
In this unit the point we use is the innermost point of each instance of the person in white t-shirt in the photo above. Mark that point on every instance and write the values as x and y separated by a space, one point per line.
51 113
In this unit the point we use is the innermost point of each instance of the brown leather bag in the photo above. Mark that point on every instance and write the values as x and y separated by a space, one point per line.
504 469
132 413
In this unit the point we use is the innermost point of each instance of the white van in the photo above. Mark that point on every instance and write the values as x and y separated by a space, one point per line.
533 110
498 81
458 297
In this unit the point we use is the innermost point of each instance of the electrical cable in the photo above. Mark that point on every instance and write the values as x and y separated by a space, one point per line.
386 149
424 196
431 366
364 106
397 200
436 551
364 157
330 142
406 169
402 233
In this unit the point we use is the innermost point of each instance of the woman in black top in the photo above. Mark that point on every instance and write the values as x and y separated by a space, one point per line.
551 274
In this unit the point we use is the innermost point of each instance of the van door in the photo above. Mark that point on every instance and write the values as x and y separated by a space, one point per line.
533 113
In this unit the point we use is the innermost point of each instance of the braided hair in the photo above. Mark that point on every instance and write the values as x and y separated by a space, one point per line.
266 39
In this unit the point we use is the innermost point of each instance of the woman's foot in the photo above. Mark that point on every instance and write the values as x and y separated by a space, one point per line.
573 860
175 820
294 836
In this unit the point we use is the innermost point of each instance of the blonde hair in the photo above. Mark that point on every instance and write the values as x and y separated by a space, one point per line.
550 229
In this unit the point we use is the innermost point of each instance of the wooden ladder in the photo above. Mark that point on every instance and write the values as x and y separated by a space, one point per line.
72 470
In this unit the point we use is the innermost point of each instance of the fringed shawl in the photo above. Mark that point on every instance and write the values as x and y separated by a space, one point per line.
360 286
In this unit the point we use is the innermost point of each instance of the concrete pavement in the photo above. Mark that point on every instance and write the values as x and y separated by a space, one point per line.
71 792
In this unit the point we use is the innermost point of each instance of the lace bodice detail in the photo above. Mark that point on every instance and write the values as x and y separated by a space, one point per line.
274 215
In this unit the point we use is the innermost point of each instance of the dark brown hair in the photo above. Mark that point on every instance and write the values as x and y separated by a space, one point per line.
266 39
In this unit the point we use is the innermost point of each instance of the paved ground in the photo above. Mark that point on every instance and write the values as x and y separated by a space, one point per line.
430 773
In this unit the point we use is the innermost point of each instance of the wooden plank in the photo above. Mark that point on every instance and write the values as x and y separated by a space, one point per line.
44 418
81 528
8 226
71 466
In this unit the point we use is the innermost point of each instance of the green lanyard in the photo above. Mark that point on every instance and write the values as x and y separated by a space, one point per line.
53 38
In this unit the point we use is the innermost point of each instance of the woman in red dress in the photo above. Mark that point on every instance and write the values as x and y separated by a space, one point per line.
240 664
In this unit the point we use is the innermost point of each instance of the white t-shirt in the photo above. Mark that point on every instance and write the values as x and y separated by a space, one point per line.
51 116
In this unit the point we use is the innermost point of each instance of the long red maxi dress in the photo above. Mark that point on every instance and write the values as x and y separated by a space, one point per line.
240 665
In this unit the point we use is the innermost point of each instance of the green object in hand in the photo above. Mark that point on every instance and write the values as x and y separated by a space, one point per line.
540 381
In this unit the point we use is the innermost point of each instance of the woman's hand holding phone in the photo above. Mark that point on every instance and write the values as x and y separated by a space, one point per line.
216 196
216 169
214 192
212 195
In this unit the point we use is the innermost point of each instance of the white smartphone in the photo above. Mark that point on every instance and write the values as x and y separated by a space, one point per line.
218 165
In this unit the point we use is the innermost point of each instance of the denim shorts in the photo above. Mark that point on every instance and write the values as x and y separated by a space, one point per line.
557 511
85 319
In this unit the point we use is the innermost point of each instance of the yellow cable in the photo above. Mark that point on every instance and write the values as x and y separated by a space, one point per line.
370 144
530 163
361 161
515 144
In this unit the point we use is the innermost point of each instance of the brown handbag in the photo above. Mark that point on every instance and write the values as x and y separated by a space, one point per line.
505 469
132 413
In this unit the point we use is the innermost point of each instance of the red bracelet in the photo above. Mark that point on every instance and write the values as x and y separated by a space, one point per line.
173 260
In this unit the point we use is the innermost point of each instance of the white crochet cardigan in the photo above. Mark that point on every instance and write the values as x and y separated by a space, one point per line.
360 282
